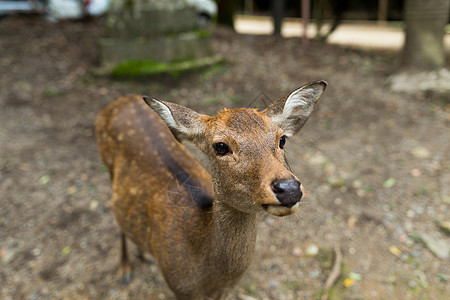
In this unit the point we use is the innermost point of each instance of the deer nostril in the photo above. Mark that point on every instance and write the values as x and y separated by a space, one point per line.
288 193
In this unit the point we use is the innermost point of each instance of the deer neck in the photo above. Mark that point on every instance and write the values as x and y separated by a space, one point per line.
234 238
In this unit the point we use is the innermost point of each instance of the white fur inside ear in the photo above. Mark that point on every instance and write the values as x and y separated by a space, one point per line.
297 108
297 102
291 113
164 112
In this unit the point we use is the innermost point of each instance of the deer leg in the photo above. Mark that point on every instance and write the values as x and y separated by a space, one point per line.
141 255
145 257
124 268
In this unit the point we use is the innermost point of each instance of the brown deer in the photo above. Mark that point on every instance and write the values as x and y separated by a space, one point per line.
200 226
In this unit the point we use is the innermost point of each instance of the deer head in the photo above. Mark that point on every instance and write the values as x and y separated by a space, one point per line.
245 148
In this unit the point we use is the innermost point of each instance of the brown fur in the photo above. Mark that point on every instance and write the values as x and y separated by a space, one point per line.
199 227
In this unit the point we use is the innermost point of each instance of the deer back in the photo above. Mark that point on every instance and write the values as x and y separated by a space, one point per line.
156 182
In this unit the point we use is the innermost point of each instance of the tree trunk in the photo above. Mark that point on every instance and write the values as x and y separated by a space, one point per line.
278 15
226 10
424 34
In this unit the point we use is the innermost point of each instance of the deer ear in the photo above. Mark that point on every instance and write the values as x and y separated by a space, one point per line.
291 112
184 123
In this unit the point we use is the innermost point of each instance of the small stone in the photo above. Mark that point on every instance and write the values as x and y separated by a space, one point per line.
357 184
360 193
71 190
420 152
438 247
315 273
415 172
444 226
446 199
7 255
93 205
312 250
412 284
335 181
329 168
297 251
418 209
245 297
273 283
351 222
317 159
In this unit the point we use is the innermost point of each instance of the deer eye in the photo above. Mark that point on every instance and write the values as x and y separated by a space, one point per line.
282 141
221 148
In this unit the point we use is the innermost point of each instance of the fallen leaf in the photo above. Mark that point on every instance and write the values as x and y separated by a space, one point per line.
442 277
394 250
44 180
66 250
355 276
389 183
348 282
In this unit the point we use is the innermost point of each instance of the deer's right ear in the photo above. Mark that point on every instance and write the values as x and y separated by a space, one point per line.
184 123
290 113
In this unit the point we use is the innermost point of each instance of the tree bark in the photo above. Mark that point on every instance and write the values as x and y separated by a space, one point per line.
278 15
424 34
226 10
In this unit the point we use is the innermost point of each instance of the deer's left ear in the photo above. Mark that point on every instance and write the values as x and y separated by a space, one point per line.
291 112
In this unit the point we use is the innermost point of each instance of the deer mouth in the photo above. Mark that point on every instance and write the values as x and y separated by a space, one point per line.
279 210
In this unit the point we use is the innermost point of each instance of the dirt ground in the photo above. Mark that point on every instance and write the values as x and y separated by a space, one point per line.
375 164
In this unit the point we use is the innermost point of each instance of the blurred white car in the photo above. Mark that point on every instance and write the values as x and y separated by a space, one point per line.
206 10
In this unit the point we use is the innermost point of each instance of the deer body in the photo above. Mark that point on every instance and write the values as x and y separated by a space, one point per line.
199 226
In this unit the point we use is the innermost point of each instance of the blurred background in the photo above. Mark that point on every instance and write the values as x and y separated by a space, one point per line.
374 156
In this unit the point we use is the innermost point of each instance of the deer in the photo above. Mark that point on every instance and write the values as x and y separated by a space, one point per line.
199 225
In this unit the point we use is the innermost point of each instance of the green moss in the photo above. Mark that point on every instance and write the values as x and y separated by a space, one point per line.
51 92
139 68
134 68
203 33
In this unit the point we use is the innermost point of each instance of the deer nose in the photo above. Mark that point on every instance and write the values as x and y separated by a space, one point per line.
288 193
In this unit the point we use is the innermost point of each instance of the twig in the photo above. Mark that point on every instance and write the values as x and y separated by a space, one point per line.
335 272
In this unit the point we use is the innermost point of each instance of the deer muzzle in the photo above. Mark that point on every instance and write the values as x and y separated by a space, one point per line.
287 192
